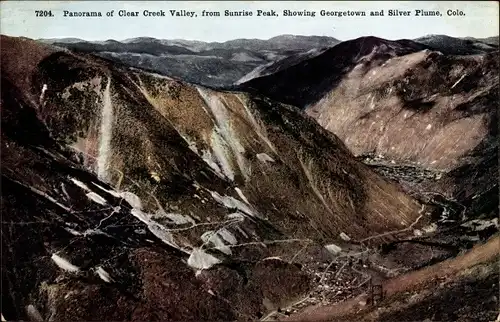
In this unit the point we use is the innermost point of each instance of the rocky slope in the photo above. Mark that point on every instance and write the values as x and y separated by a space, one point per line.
132 196
400 103
206 63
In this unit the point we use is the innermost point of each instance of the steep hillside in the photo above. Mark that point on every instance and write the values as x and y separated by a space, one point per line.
132 196
400 104
281 64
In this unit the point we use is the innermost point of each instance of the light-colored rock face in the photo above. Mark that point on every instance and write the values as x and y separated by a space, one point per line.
422 108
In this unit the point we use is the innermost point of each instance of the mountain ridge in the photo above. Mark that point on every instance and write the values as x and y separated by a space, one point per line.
214 64
228 63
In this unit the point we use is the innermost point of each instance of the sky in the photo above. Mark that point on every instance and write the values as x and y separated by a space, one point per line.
17 18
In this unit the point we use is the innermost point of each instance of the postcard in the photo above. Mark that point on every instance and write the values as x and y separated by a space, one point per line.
249 160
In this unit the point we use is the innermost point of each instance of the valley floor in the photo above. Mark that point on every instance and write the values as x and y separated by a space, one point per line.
460 289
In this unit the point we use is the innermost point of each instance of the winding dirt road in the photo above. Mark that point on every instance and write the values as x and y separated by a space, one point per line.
413 281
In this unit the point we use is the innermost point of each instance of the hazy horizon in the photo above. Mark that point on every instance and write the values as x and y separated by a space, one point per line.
199 40
18 19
